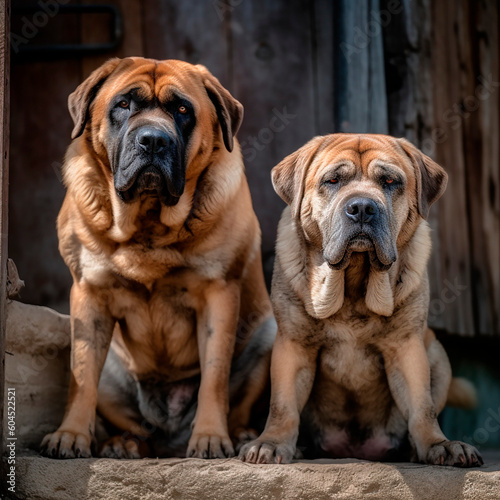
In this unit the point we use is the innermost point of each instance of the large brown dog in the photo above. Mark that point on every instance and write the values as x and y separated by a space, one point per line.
159 233
354 361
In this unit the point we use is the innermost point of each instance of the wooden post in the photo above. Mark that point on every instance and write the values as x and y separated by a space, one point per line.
360 88
4 186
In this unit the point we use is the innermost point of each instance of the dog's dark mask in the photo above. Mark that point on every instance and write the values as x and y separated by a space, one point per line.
364 226
147 147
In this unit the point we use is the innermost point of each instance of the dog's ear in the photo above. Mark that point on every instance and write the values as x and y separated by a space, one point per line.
431 179
289 175
79 101
229 110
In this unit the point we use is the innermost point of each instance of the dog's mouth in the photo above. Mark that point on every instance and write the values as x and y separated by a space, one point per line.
381 256
148 181
361 243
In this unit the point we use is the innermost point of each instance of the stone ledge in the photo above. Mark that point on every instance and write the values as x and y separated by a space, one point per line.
154 479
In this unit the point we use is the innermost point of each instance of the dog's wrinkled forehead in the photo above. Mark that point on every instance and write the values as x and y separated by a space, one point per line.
362 153
306 170
159 80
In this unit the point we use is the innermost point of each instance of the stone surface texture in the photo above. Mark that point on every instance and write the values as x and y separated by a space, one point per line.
190 479
37 366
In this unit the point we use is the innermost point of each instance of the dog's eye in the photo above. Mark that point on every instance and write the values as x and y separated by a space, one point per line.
389 181
123 104
332 181
182 109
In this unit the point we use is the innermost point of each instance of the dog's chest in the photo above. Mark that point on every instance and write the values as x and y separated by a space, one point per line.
158 326
354 367
146 264
350 356
131 262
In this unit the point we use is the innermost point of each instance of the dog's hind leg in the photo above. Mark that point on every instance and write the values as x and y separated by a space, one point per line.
446 389
440 372
248 382
117 403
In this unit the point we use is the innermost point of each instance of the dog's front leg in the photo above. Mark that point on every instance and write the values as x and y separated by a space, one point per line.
91 332
216 340
292 375
409 376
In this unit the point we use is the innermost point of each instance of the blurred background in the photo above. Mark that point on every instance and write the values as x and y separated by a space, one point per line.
425 70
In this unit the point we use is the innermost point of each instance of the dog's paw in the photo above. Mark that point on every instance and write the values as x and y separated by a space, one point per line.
266 452
117 447
210 445
454 453
66 444
242 436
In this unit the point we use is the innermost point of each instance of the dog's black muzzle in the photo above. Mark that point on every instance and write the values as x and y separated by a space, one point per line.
364 228
150 163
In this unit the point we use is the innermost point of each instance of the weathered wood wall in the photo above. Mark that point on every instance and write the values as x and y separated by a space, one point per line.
466 61
300 68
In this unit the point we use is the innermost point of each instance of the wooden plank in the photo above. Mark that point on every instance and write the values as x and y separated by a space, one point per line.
4 186
489 64
360 97
274 79
322 39
452 303
479 54
196 32
407 37
466 94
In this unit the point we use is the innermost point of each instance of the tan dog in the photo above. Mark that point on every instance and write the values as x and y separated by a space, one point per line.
158 231
354 361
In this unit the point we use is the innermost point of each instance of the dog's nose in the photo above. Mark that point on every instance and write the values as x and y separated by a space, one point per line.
152 140
361 209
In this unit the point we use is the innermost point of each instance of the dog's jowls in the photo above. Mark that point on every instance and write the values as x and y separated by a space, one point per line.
354 365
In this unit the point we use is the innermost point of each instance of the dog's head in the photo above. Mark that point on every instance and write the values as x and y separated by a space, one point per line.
152 122
359 193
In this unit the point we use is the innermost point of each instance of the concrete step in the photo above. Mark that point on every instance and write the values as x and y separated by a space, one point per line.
40 478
